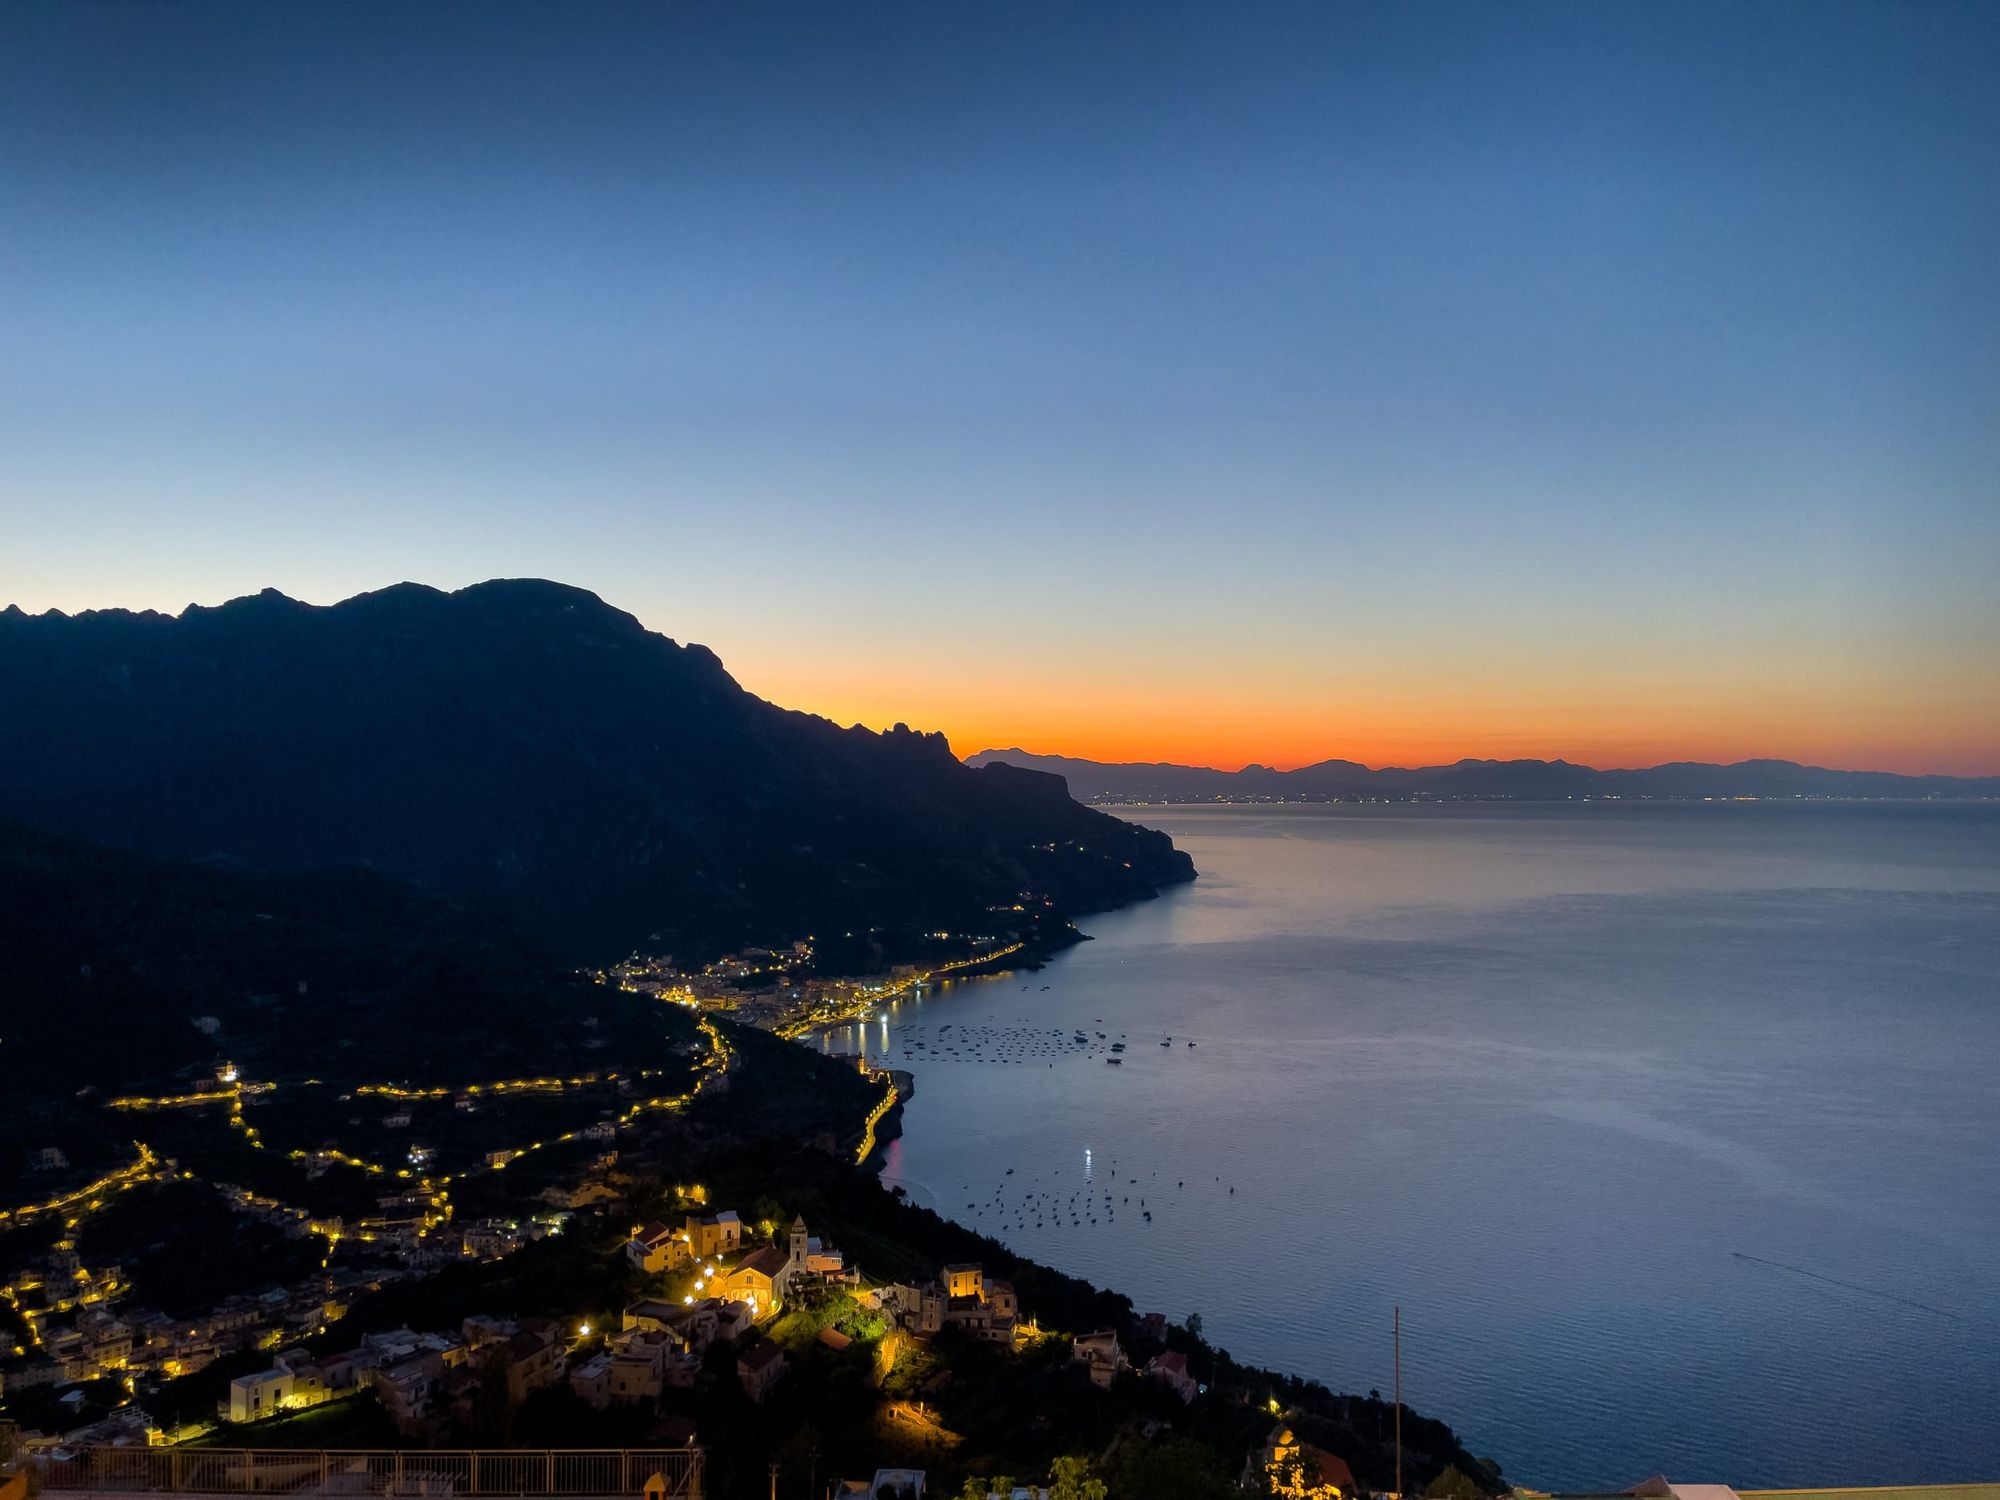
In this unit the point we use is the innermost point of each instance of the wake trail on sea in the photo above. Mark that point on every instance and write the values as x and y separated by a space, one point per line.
1849 1286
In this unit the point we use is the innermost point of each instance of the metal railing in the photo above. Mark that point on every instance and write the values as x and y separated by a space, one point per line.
361 1472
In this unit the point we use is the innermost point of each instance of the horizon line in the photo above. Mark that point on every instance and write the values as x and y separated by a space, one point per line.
1486 760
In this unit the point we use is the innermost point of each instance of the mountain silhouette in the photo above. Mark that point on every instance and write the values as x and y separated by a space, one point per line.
523 745
1484 780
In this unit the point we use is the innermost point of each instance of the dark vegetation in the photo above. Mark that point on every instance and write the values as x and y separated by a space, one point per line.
181 1242
333 973
43 1409
134 976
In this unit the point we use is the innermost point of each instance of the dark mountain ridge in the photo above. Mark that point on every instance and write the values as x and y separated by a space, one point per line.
1494 780
523 745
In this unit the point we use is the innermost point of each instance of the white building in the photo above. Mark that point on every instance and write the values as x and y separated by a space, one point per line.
254 1397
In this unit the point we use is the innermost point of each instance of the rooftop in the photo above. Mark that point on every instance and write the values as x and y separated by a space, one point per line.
768 1261
760 1356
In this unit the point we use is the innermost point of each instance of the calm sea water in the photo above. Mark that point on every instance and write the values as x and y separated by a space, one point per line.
1674 1130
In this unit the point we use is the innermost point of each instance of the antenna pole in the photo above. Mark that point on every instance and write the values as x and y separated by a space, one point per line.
1399 1402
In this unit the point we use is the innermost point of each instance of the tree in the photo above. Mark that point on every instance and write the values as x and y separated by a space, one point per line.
1453 1485
1070 1479
1178 1468
800 1451
492 1403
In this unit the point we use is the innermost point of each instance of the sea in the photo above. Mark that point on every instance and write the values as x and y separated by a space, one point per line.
1672 1129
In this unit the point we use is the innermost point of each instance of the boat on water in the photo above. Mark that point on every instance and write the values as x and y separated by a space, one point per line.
1113 1062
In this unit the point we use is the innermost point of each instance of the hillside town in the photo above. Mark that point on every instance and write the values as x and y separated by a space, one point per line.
764 1298
735 1290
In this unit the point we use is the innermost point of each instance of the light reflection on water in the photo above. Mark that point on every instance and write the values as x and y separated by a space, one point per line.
1673 1129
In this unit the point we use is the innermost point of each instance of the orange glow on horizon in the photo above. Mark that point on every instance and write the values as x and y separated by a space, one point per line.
1919 733
1613 755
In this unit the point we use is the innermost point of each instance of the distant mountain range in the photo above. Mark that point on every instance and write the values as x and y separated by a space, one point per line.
1485 780
524 746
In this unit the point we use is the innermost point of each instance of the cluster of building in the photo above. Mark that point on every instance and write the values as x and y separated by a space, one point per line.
662 1346
725 982
659 1247
662 1342
424 1381
733 1290
1103 1358
962 1297
81 1327
708 1245
409 1226
771 988
413 1228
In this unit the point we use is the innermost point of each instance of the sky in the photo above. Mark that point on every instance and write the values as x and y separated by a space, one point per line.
1211 383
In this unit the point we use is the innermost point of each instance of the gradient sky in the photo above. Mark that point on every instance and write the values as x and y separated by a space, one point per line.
1212 383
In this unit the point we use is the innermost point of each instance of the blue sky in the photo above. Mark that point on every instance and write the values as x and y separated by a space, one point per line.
1222 383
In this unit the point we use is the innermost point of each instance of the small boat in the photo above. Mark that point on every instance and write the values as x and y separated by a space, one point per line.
1117 1046
1114 1061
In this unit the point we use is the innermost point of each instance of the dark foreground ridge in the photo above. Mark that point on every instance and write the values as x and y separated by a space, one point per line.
1477 780
525 745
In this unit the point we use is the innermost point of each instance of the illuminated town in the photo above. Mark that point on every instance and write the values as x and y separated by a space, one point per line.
776 990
